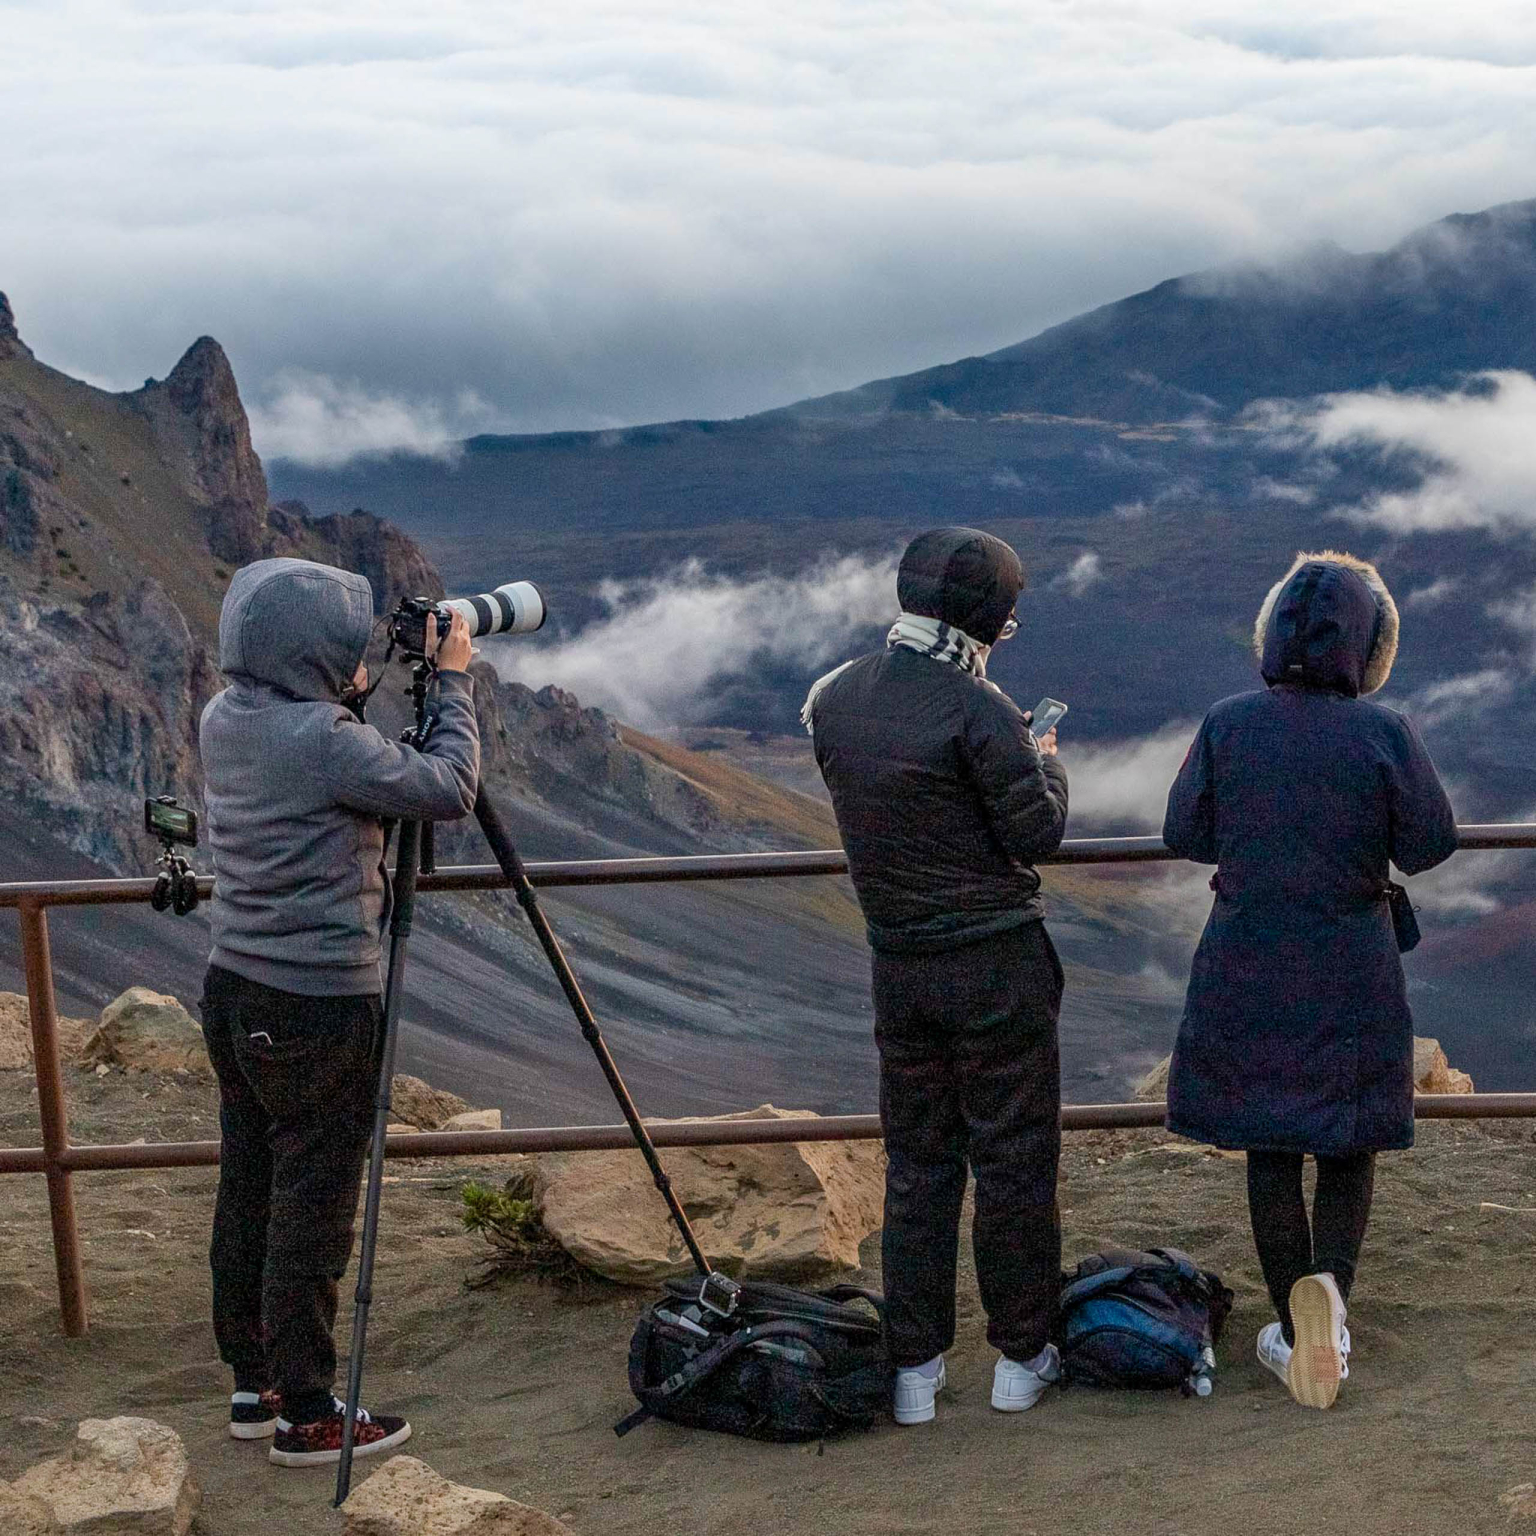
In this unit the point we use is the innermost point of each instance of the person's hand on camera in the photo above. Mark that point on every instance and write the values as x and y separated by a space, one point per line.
453 652
1047 743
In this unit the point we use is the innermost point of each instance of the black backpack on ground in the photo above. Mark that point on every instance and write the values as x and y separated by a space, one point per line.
1141 1319
781 1364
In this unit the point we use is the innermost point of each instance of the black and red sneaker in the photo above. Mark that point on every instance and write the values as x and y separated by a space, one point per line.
252 1415
309 1445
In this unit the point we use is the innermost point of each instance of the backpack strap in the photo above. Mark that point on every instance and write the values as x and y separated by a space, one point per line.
1091 1285
706 1363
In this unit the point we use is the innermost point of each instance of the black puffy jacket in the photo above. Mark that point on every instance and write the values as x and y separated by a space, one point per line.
942 800
941 797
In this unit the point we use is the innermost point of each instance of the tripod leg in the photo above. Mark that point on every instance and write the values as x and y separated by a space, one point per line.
512 867
407 863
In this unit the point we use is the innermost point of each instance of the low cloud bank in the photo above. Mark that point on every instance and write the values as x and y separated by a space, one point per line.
1475 449
1123 786
324 423
659 654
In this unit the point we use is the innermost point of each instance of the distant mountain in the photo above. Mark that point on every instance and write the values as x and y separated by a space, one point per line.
1056 425
1453 298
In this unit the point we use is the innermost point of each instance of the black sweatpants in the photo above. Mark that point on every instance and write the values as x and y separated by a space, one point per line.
1290 1245
969 1074
296 1095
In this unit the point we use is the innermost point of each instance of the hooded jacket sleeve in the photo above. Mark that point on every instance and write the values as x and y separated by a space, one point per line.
1023 794
368 772
1422 823
1189 827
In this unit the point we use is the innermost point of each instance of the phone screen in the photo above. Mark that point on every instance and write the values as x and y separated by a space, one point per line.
1047 714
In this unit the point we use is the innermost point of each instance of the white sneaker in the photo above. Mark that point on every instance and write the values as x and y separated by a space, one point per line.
915 1392
1318 1361
1274 1353
1015 1387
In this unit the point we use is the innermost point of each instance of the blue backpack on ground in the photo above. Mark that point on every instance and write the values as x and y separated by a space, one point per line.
1141 1320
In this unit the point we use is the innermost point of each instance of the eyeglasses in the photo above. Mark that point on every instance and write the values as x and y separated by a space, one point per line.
1010 628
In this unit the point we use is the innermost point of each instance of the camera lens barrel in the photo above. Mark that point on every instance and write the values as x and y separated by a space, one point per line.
515 608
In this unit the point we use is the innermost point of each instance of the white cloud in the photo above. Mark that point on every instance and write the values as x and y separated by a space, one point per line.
613 212
315 420
1474 450
1084 572
1454 698
656 656
1124 785
1435 593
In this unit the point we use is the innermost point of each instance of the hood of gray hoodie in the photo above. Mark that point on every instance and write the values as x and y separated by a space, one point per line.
296 625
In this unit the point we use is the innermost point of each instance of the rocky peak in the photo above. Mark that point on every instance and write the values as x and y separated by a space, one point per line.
198 408
11 344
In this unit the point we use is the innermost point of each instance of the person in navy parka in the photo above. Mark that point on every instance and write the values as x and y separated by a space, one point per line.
1296 1036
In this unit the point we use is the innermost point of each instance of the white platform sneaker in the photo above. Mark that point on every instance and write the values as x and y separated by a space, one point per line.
1016 1387
1319 1359
915 1392
1274 1353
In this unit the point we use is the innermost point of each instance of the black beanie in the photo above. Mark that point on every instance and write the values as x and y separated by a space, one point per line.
962 576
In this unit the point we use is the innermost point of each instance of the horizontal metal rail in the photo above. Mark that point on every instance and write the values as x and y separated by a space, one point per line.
557 873
58 1160
686 1133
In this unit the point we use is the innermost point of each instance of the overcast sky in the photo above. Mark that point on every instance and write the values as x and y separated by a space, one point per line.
407 221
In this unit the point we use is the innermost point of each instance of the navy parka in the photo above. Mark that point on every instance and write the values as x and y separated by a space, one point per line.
1296 1033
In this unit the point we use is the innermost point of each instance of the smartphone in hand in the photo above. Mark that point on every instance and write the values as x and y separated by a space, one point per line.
1047 716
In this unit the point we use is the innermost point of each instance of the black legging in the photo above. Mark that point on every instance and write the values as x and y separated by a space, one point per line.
1289 1245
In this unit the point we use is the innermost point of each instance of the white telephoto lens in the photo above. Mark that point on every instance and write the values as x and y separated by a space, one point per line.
517 608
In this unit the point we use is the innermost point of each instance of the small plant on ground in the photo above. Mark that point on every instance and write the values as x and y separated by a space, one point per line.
519 1245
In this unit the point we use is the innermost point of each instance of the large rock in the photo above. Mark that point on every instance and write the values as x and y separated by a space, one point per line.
474 1120
148 1031
123 1477
421 1105
20 1513
405 1497
1432 1073
16 1036
792 1211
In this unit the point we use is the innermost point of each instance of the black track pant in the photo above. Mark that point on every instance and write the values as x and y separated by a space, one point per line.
296 1095
1289 1245
969 1075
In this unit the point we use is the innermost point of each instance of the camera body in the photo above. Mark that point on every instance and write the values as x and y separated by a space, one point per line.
176 884
515 608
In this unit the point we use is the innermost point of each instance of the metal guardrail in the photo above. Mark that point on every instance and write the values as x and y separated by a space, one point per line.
58 1160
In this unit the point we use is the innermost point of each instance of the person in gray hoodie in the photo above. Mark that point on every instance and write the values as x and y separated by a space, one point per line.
298 791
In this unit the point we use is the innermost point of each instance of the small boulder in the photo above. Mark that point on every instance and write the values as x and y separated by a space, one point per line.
423 1106
474 1120
122 1477
1432 1073
16 1035
1154 1085
146 1031
791 1211
405 1497
23 1515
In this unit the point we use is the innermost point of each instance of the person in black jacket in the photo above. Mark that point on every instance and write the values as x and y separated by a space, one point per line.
1296 1036
944 800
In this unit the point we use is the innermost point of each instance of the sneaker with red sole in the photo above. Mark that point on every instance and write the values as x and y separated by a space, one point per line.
252 1415
311 1445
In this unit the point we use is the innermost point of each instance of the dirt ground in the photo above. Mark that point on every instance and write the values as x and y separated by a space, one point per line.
515 1387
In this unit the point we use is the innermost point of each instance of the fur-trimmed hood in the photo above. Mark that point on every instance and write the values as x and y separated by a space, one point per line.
1329 622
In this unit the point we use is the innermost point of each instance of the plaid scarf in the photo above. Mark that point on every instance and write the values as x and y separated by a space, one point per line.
929 637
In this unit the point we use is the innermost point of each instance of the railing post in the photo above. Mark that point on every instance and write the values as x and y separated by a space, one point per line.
38 961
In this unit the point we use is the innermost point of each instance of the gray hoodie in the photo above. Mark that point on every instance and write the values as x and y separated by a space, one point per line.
297 788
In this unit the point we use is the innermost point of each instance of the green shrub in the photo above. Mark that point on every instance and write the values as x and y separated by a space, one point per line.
519 1245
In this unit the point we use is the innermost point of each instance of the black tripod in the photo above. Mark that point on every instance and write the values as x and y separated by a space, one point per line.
718 1292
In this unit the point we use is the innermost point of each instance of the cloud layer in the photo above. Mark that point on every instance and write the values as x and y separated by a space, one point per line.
665 645
1474 451
608 212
